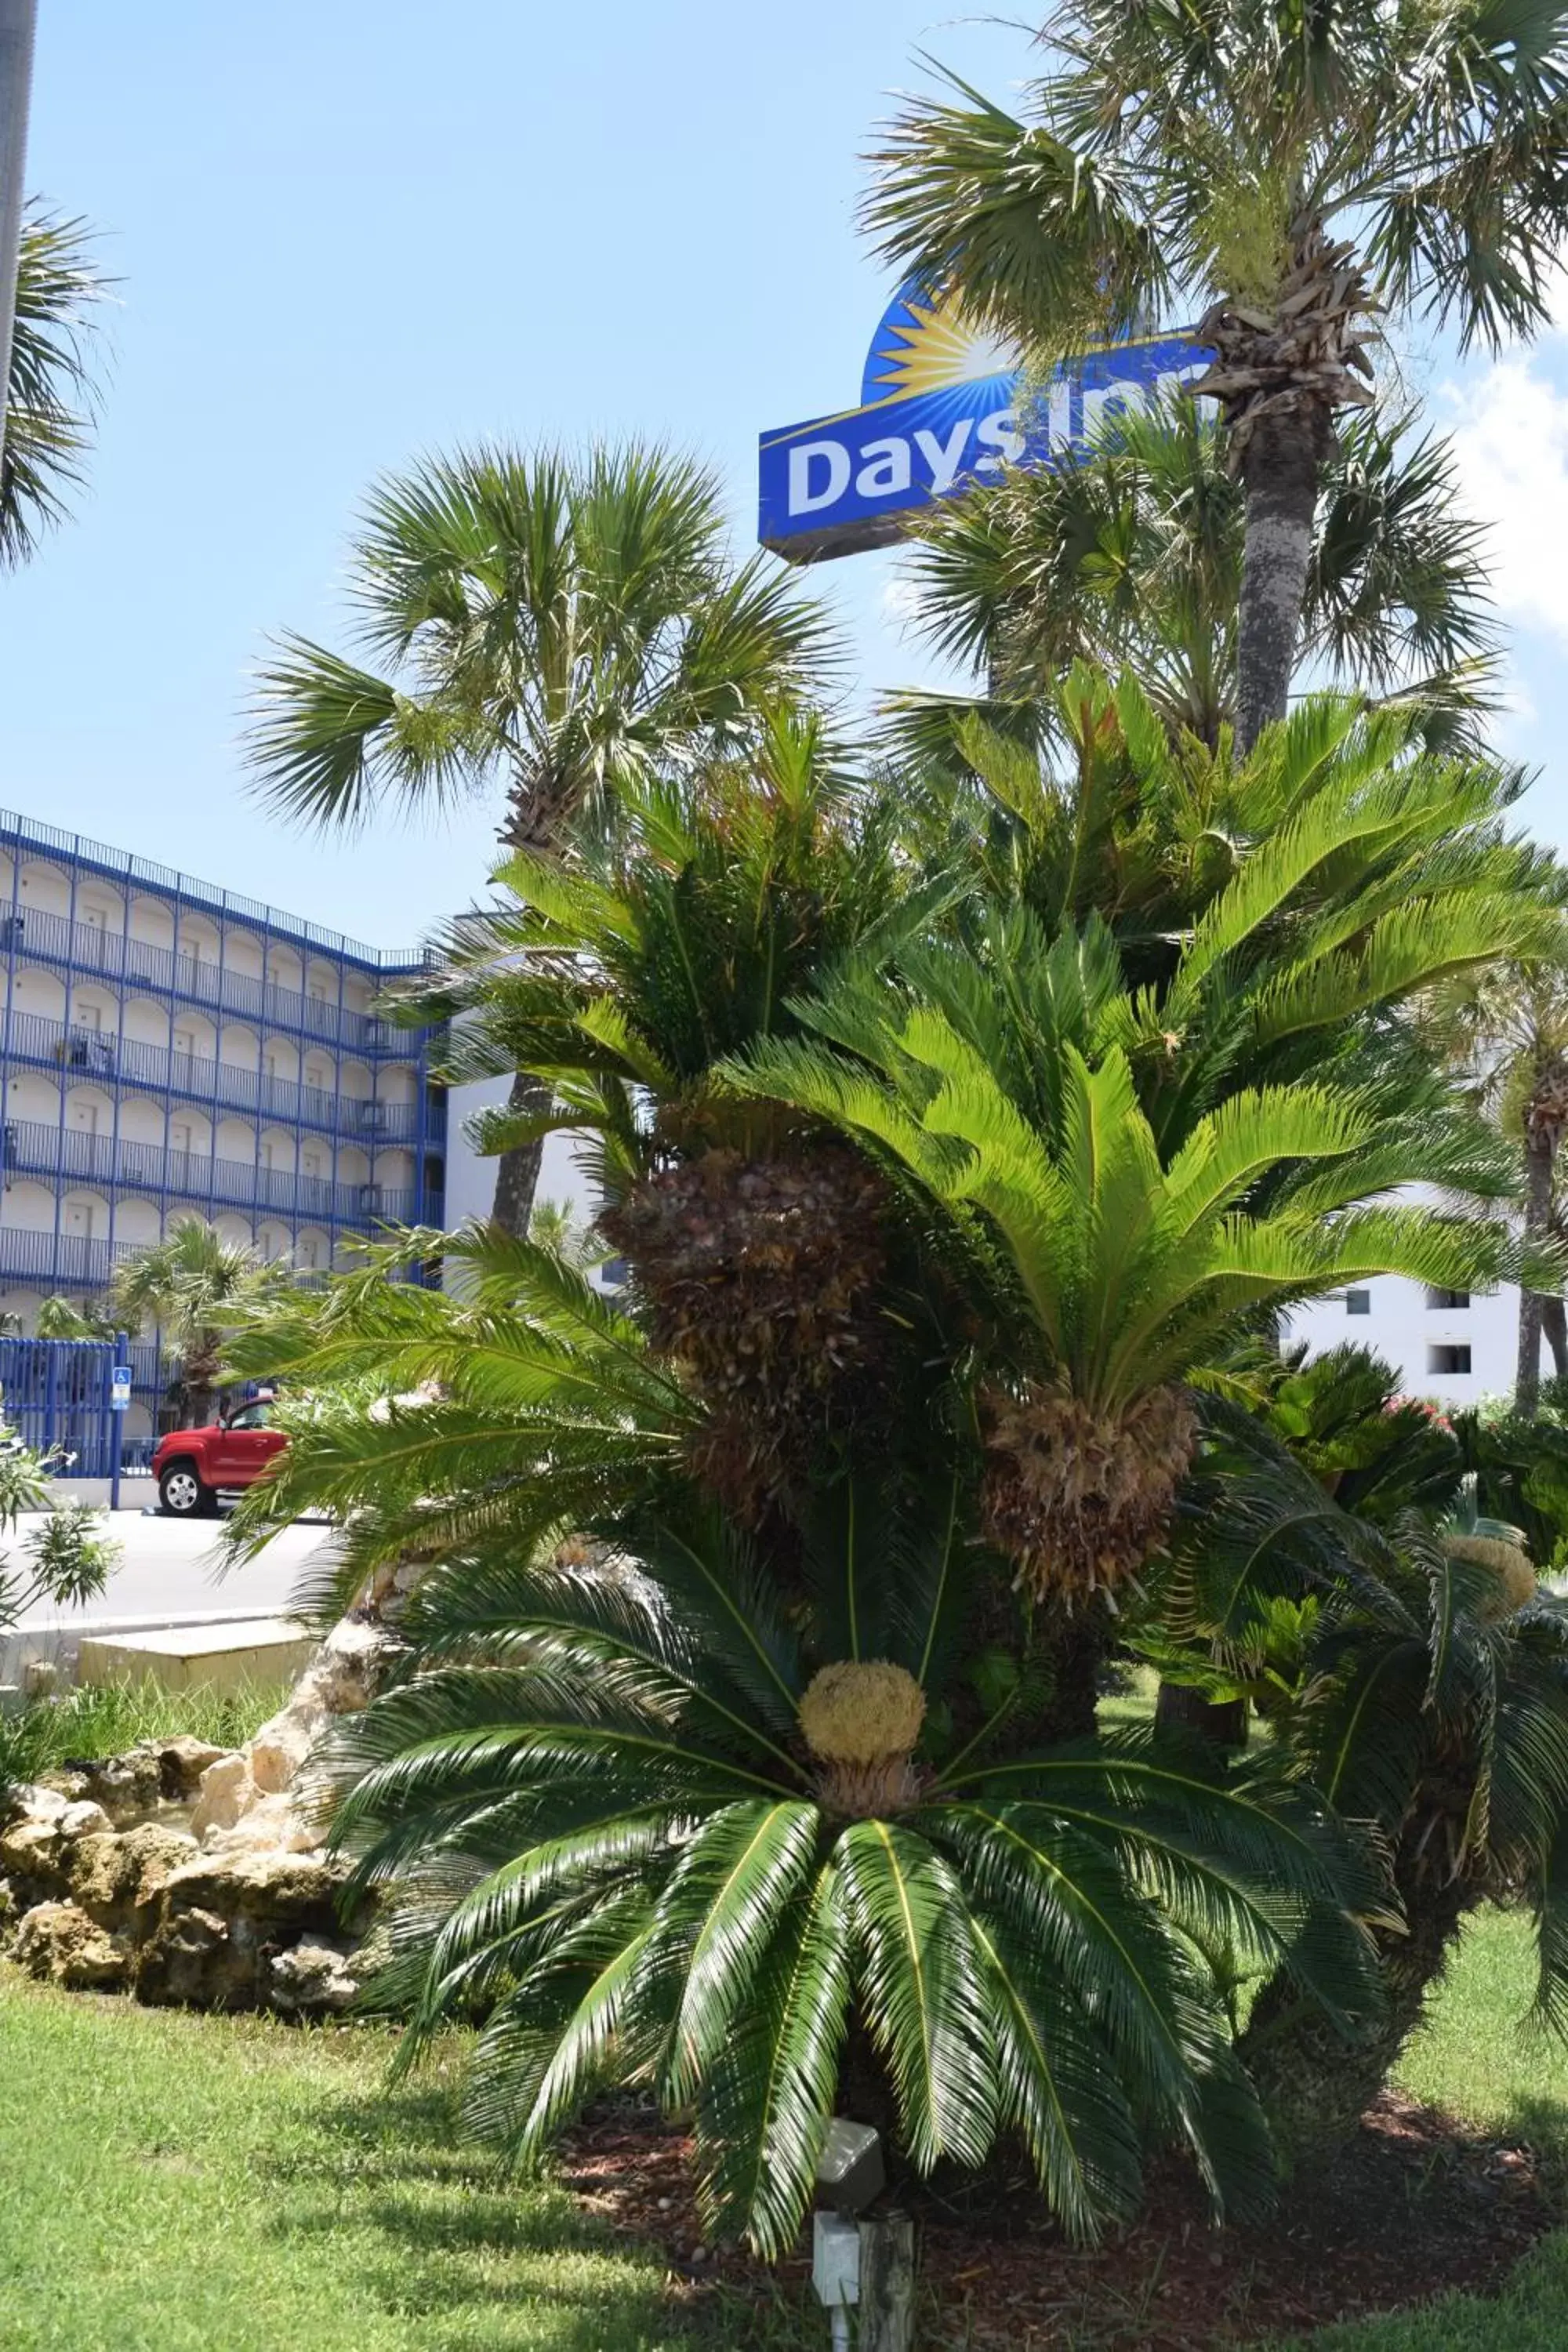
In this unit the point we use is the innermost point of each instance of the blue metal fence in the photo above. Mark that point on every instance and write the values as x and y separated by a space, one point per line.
54 1392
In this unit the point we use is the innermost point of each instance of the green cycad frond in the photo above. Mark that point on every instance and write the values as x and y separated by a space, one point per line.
520 1400
581 1799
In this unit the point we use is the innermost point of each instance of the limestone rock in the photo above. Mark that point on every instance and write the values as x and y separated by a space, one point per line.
83 1819
270 1822
57 1941
276 1889
282 1744
182 1762
227 1791
117 1878
198 1959
128 1787
33 1800
349 1668
316 1979
33 1852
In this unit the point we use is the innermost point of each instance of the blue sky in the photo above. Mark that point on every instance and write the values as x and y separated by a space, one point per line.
347 233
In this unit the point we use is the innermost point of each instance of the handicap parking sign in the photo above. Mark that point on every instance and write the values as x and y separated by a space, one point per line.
119 1388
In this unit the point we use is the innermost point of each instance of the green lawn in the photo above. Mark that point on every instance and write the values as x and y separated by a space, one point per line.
1473 2060
171 2183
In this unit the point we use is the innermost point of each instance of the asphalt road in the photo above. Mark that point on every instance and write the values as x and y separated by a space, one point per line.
169 1570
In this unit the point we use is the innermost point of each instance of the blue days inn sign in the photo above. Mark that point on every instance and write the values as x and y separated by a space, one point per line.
942 404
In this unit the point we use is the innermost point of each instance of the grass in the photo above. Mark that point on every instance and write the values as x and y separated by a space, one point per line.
105 1719
1474 2059
233 2182
208 2182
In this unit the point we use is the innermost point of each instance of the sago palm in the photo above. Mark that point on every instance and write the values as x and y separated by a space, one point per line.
622 983
516 1401
1340 860
541 629
1332 1563
1286 177
1130 555
653 1832
1104 1258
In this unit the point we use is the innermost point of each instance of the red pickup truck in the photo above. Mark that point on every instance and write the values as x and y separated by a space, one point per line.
191 1465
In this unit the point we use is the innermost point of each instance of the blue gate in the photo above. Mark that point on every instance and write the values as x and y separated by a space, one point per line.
54 1392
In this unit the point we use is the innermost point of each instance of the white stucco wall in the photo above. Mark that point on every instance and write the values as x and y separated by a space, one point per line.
1403 1328
472 1182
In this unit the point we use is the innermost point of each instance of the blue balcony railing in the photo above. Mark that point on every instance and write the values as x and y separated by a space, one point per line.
29 1146
122 865
84 1054
43 937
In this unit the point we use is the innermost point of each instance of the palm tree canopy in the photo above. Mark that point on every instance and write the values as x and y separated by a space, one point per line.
50 396
542 625
1132 554
1282 175
193 1285
1177 154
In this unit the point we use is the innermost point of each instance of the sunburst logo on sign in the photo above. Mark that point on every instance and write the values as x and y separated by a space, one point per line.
944 405
929 345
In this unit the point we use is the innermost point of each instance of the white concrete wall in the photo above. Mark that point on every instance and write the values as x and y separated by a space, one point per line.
1403 1328
472 1182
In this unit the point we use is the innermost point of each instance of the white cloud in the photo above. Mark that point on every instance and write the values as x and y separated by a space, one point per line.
1510 427
899 600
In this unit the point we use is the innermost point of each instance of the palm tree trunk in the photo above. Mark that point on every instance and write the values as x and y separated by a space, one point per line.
1539 1152
517 1171
1554 1328
1317 2083
1220 1723
1281 470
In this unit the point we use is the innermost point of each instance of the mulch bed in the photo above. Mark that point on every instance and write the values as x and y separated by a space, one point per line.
1418 2206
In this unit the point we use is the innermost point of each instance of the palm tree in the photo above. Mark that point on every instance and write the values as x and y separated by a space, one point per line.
542 628
1507 1029
1291 177
50 398
1129 554
658 1833
195 1286
73 1318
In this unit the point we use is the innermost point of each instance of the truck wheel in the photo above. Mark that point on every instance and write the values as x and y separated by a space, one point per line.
182 1493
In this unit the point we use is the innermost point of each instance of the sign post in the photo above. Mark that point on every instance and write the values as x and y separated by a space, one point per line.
119 1404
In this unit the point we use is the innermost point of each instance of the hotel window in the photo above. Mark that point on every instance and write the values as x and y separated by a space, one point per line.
1449 1360
1439 1297
1358 1302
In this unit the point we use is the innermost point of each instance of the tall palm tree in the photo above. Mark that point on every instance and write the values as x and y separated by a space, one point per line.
1507 1028
543 628
49 396
1130 553
1290 176
195 1286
